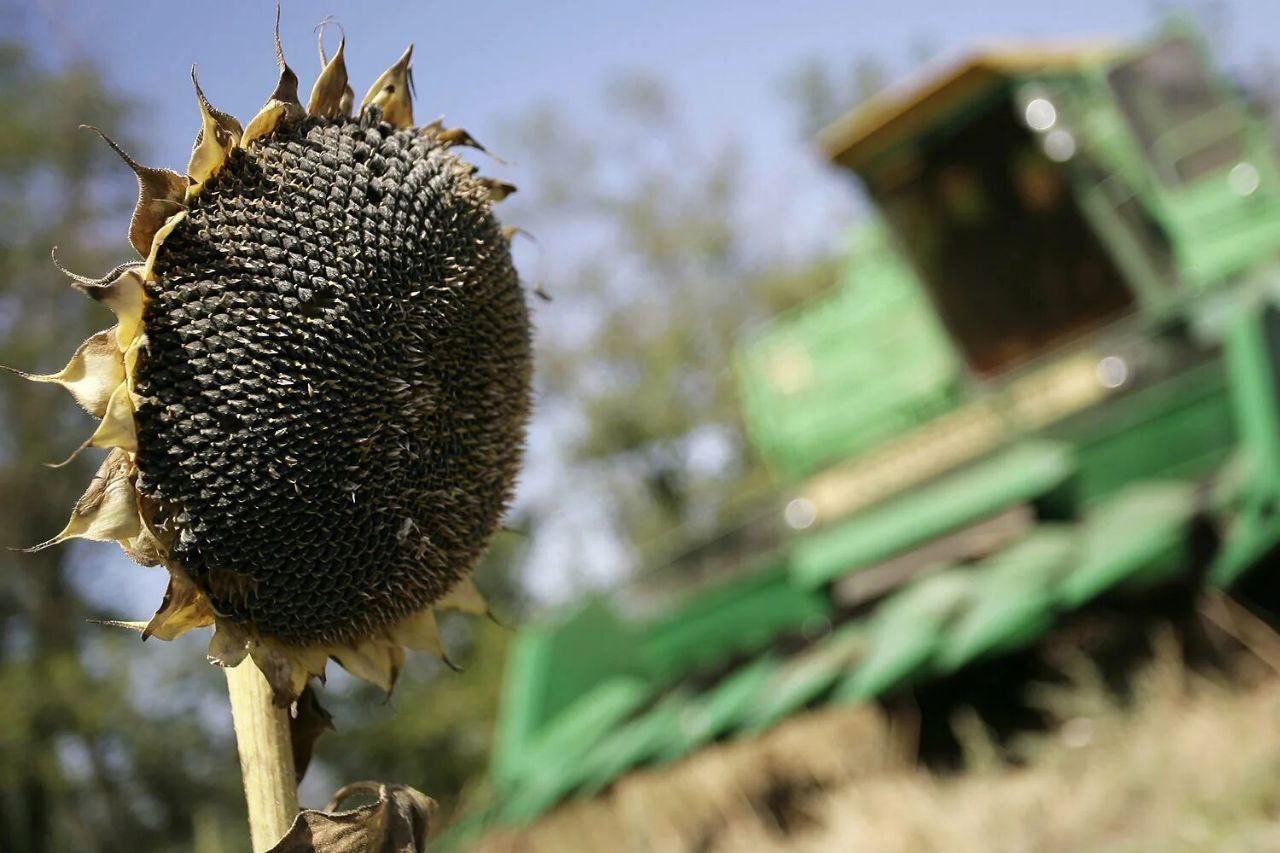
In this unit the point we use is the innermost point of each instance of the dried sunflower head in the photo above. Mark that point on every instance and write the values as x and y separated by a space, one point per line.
315 395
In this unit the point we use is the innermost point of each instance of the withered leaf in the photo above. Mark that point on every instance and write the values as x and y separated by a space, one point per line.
307 722
396 823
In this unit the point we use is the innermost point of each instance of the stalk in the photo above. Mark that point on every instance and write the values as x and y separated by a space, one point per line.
266 757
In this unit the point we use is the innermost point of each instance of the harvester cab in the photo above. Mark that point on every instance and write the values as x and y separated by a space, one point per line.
1073 238
1047 376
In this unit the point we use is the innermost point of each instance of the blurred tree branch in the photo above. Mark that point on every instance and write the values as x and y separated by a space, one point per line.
667 279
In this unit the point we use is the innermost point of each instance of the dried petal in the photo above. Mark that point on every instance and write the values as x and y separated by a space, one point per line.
148 269
392 94
229 644
331 97
161 192
117 428
219 134
457 136
184 607
265 121
283 104
370 659
285 679
145 549
93 373
121 290
464 597
420 633
498 190
108 510
287 668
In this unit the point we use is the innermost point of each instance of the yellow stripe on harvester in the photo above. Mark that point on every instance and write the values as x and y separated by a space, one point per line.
1028 403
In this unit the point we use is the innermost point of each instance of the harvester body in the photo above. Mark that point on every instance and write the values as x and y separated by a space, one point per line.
1048 374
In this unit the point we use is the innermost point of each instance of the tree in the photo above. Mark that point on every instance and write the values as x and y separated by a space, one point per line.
666 277
821 95
83 766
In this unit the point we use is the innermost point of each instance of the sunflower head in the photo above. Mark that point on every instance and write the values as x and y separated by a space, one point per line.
315 394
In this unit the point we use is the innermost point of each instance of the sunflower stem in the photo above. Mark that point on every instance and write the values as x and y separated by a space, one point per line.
266 757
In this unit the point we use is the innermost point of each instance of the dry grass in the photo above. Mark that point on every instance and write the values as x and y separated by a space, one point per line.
1193 765
1188 764
684 806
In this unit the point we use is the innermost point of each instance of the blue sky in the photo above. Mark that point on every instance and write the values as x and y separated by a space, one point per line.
481 64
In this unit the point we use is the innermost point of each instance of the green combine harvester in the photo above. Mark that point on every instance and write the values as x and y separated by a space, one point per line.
1049 377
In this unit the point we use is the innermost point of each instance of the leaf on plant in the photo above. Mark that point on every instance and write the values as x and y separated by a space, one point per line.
396 823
